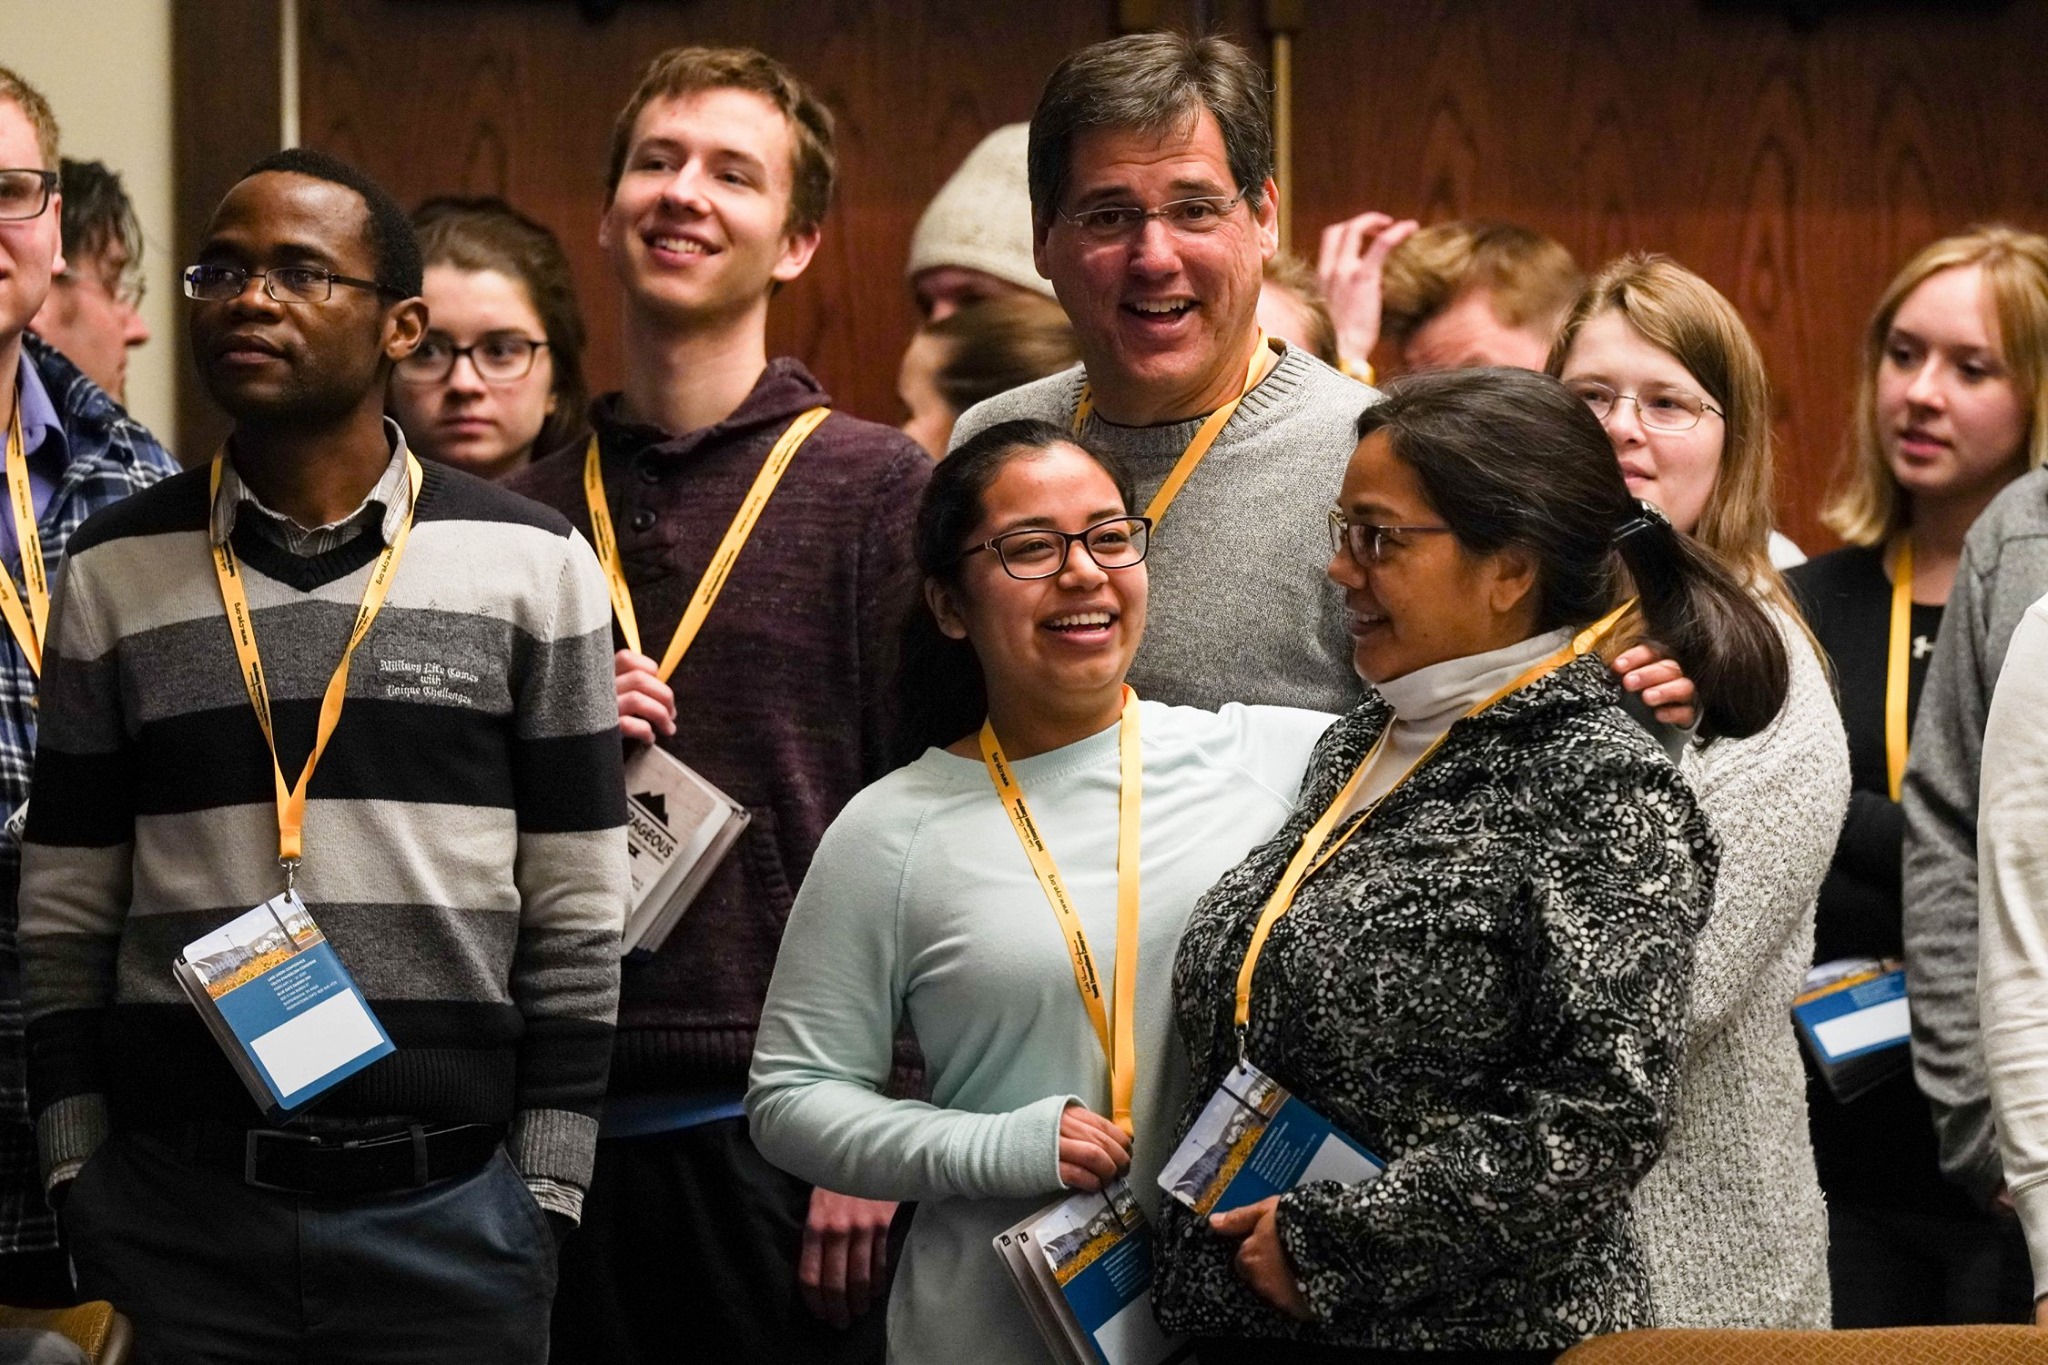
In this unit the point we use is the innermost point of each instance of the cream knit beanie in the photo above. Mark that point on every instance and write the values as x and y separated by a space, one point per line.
981 218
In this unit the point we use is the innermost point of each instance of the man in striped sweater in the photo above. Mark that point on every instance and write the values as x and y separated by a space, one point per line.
463 838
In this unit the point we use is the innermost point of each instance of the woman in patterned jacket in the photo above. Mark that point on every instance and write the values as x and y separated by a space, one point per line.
1484 980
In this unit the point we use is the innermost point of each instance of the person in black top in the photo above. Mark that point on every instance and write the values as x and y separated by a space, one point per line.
1940 428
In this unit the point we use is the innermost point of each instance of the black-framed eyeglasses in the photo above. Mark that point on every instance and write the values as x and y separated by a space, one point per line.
497 357
1041 552
1185 217
1368 542
25 193
285 283
1663 406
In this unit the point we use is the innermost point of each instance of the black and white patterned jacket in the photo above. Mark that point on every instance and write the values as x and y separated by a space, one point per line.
1488 987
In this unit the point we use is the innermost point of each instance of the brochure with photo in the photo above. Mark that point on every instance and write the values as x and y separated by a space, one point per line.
1253 1139
678 829
1853 1020
282 1006
1084 1269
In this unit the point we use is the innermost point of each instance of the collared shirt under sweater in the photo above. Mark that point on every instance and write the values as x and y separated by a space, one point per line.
465 846
783 701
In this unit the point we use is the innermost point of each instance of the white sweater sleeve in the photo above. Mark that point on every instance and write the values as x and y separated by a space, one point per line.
827 1035
1776 802
2012 976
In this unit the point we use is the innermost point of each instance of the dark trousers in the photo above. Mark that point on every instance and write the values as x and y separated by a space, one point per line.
687 1253
1901 1268
37 1279
213 1271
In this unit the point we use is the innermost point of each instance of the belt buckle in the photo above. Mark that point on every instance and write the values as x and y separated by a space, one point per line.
252 1147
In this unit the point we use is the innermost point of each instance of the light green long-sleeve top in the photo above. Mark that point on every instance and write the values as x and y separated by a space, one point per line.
920 904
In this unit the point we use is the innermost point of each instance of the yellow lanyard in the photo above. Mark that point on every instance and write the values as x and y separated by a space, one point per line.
30 623
291 801
722 559
1898 653
1310 855
1119 1048
1262 364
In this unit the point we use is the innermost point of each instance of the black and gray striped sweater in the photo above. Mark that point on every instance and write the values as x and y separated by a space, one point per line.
465 848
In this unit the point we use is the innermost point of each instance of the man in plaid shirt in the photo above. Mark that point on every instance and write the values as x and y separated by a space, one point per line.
81 453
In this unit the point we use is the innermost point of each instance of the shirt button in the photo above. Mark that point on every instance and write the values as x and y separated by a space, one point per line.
649 472
643 520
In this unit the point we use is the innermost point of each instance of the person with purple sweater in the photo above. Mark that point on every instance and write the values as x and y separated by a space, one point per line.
721 170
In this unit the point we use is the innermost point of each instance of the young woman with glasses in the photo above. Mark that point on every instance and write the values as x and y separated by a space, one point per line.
922 907
1481 977
499 379
1733 1226
1952 387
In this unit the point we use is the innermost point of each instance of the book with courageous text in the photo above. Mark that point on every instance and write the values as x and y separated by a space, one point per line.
678 829
1084 1269
282 1006
1853 1018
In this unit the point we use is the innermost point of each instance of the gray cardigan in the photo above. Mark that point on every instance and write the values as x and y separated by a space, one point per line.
2003 571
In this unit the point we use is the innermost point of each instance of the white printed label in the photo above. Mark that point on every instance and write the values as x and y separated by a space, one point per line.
331 1034
1886 1023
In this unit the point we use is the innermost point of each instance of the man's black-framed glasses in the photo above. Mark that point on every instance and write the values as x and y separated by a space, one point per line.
1189 217
25 193
1041 552
285 283
1368 542
498 358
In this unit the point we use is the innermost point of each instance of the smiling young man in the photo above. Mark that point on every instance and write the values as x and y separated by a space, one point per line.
462 843
1153 208
721 172
79 453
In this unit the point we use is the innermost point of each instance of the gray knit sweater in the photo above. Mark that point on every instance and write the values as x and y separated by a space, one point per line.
2003 571
1240 608
1731 1220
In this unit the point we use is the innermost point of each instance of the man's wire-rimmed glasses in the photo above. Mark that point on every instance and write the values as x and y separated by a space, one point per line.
25 193
498 358
1663 406
285 283
1041 552
1186 217
1367 542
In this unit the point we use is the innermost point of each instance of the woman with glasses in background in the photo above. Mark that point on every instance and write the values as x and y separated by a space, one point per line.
922 905
1954 370
499 379
1733 1226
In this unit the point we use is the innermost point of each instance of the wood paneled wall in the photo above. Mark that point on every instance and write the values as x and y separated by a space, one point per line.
1795 166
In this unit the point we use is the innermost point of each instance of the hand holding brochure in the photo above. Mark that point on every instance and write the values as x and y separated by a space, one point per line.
678 829
1084 1269
1253 1140
1853 1019
282 1006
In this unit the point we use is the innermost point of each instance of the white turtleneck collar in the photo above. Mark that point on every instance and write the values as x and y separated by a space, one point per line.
1428 701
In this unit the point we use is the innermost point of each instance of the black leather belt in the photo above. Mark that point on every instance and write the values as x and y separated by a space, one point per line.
304 1163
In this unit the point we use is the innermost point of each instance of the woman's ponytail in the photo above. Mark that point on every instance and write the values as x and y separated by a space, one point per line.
1698 611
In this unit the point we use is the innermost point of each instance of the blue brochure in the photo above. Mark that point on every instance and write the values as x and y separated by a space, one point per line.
1854 1020
1252 1140
281 1004
1084 1269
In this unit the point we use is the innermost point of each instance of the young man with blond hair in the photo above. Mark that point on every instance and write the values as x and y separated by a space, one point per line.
721 172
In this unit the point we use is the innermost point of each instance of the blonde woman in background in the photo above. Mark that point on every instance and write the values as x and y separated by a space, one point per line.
1943 407
1733 1228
